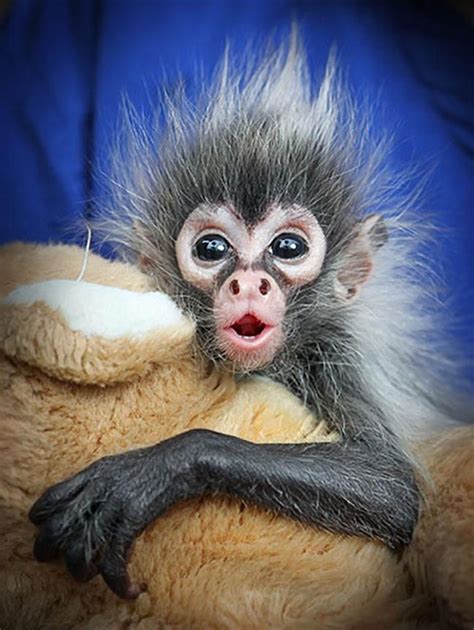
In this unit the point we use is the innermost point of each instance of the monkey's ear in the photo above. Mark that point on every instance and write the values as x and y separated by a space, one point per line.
369 235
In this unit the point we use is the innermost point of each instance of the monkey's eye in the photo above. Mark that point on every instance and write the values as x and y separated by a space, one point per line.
211 247
288 246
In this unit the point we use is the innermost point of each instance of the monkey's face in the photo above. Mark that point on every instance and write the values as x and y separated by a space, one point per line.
249 271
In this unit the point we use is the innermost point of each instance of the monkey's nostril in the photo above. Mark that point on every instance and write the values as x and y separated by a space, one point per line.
264 286
234 287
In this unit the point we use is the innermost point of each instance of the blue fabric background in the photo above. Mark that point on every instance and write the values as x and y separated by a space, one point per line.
64 65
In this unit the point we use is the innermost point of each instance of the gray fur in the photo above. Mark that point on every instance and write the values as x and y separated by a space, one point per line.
258 136
372 367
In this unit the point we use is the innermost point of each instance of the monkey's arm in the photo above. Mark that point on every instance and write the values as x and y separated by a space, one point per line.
93 517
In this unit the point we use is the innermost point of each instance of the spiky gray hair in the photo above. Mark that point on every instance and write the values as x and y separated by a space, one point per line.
261 135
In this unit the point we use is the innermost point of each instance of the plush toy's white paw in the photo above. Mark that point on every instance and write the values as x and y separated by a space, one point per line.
95 309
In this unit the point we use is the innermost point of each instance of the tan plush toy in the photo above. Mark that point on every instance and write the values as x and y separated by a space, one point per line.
93 369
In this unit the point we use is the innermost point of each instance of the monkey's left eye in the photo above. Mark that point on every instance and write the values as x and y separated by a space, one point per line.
211 247
288 246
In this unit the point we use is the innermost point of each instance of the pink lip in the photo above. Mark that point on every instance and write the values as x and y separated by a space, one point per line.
263 332
249 343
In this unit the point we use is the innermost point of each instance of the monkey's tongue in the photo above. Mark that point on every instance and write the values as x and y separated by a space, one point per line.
248 326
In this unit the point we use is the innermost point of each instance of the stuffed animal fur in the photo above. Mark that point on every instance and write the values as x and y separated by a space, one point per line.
93 369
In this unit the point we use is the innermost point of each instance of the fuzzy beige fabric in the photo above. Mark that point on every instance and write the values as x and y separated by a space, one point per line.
66 400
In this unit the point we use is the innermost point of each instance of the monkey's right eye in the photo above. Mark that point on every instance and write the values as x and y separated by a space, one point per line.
211 247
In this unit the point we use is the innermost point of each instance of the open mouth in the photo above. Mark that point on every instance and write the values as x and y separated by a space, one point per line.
249 326
249 333
250 339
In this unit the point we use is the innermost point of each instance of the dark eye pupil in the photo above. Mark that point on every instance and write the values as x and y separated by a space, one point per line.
211 247
288 246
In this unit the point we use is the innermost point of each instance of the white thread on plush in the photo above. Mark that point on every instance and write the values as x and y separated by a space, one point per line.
95 309
87 250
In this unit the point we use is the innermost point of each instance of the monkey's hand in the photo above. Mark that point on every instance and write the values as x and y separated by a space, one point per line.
350 487
93 517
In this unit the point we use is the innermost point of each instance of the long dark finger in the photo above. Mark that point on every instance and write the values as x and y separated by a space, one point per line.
95 524
49 541
81 559
55 497
113 568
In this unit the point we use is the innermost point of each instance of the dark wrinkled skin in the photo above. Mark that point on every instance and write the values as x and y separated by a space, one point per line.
93 518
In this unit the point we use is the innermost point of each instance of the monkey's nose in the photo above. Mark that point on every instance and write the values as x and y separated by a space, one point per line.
234 287
248 283
264 287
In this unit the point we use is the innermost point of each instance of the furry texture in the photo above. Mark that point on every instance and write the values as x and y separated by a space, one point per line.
372 367
260 136
97 310
214 562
